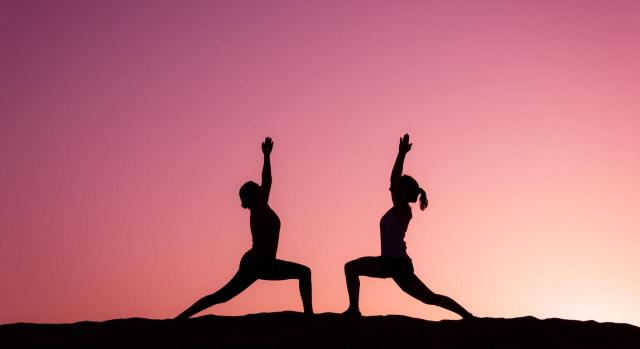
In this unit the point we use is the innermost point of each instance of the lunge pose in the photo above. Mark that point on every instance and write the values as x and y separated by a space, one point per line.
394 261
259 263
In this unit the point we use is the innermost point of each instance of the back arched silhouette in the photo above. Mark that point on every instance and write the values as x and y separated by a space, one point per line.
260 262
394 262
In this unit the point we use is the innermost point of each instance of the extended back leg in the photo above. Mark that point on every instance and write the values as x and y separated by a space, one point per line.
235 286
412 285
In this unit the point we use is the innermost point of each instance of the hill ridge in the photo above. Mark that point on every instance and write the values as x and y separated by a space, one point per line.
295 330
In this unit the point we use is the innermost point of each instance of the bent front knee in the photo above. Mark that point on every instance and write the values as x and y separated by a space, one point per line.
305 273
350 268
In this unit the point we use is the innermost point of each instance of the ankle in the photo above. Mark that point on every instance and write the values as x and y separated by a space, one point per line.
352 311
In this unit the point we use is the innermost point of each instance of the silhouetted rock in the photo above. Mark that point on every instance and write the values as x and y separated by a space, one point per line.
295 330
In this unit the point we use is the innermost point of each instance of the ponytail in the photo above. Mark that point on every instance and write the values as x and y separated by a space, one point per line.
423 199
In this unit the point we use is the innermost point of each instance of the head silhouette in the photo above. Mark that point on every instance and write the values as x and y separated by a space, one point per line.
410 190
249 193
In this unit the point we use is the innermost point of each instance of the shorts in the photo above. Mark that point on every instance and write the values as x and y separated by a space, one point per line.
395 266
256 263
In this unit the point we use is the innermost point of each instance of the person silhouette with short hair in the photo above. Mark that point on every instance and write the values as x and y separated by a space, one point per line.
394 261
260 262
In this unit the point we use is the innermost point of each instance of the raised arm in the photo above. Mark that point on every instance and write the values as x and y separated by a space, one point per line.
396 173
267 146
403 149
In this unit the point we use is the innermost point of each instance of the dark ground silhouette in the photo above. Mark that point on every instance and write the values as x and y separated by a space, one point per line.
296 330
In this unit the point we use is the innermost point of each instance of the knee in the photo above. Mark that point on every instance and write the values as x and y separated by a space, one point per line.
433 298
349 268
306 273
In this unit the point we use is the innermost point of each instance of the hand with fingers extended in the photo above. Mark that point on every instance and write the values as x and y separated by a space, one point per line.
405 146
267 146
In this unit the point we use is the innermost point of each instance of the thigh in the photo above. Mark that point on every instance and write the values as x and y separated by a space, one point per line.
283 270
411 284
377 267
238 283
252 264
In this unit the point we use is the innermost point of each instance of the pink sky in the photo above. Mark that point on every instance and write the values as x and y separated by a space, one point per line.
127 129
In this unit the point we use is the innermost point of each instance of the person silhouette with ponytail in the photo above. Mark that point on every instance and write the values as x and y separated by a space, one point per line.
260 262
394 261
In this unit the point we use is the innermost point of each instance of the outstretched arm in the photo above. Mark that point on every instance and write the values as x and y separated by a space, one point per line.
396 173
267 146
403 149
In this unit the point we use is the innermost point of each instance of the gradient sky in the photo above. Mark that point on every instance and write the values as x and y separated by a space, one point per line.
127 128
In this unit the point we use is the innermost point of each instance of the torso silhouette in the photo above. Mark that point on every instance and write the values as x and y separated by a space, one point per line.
265 232
393 227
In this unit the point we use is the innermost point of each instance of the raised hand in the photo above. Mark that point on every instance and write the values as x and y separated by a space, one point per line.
405 146
267 146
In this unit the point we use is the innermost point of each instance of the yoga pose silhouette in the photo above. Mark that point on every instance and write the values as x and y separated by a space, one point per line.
394 261
259 263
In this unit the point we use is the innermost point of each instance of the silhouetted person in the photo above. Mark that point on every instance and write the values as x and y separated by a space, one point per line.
394 261
260 261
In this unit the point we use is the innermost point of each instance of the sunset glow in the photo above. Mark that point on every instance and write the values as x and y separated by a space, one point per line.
126 130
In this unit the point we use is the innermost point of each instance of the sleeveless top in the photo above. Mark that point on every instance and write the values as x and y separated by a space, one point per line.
393 226
265 232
